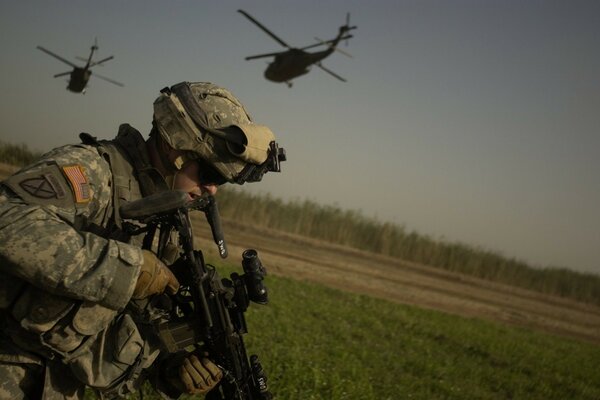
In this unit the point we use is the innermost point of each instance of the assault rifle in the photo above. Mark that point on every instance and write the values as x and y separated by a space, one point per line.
207 313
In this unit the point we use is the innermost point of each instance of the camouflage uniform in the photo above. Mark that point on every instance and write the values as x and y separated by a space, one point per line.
67 272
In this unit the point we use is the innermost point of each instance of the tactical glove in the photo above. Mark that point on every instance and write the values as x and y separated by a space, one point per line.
154 278
198 375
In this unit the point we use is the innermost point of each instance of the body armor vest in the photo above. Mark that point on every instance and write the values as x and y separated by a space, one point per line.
133 177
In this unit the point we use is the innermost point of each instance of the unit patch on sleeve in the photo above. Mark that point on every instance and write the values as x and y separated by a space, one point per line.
43 185
78 181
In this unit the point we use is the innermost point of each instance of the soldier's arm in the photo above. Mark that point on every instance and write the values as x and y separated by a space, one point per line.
41 242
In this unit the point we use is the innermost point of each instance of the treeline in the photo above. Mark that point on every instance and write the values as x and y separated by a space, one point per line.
17 154
352 228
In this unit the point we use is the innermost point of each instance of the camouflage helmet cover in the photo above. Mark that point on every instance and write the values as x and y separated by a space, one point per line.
207 121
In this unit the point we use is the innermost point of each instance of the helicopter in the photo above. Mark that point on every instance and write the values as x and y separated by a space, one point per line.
80 76
295 62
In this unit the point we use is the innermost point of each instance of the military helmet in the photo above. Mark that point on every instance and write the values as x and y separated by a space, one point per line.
207 122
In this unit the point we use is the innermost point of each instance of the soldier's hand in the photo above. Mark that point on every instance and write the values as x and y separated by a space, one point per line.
199 375
154 278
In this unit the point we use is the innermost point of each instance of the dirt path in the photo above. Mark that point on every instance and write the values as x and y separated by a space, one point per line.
404 282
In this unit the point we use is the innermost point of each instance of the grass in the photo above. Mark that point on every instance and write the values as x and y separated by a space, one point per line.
321 343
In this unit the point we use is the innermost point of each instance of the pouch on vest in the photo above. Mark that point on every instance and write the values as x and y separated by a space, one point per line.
57 324
104 361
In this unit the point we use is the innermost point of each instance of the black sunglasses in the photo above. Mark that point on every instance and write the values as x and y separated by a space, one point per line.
207 174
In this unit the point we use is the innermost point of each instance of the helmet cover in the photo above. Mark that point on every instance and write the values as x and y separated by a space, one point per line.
208 122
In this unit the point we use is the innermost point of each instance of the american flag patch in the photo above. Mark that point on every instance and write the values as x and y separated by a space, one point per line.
78 181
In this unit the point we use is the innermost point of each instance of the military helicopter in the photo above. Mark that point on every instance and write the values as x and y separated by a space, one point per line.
294 62
80 76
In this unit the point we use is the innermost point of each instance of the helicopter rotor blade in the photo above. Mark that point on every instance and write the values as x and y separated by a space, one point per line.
56 56
261 26
326 42
336 49
264 55
101 61
108 80
330 72
95 62
62 74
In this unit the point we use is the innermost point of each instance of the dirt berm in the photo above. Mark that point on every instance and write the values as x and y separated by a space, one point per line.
400 281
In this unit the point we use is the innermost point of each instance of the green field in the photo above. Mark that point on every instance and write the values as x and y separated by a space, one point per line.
321 343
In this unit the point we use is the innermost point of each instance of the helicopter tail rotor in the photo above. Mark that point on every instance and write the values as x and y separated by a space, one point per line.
347 27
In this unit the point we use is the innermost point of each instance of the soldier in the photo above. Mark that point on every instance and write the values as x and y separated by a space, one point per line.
71 278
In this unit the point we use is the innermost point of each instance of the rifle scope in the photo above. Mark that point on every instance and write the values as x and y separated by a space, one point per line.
254 273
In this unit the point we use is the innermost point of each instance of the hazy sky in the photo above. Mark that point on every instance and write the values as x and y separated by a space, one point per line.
471 121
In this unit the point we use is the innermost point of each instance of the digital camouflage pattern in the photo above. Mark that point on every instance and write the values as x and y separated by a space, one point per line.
63 286
41 237
21 380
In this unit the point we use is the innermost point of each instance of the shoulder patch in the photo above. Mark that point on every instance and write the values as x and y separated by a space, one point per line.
44 185
76 176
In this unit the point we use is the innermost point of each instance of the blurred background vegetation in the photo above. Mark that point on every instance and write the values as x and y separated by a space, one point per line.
17 154
352 228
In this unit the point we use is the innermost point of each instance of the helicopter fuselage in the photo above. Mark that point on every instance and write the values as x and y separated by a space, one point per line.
78 79
79 76
293 63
